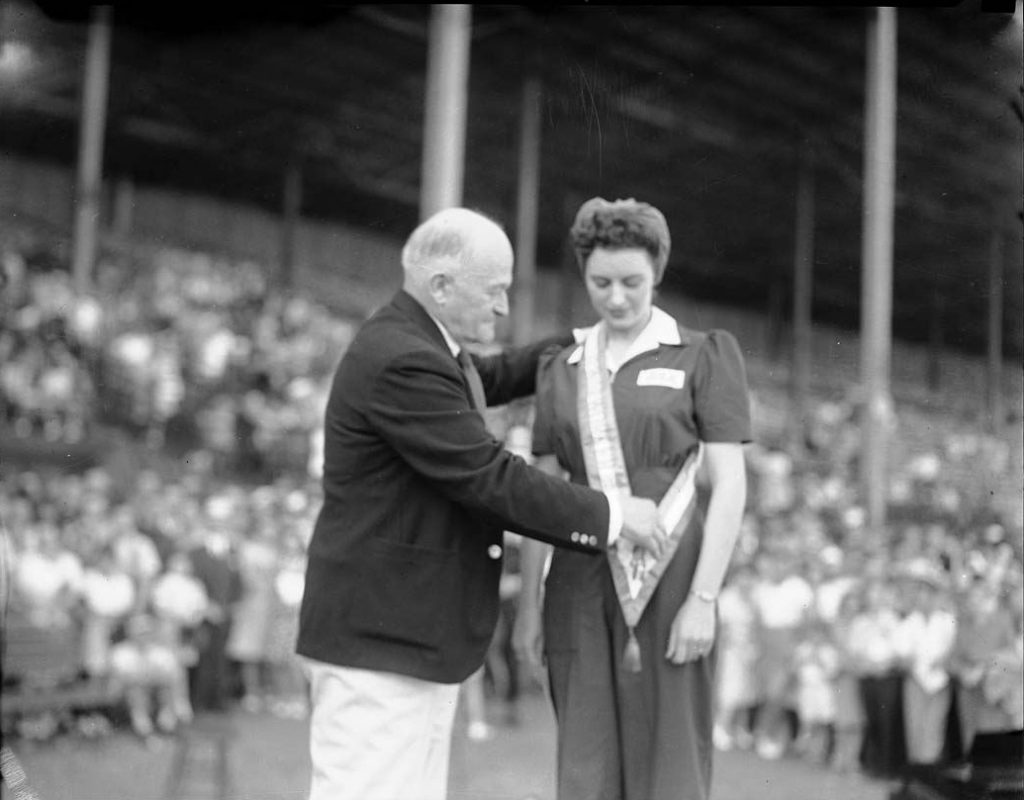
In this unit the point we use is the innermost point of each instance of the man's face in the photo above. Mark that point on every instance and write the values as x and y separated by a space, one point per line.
475 295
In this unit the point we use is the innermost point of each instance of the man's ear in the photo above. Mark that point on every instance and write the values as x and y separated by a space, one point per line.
438 286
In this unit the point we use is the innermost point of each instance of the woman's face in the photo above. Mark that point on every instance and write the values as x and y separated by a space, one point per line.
621 287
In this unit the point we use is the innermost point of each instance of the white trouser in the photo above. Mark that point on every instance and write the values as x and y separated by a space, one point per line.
378 735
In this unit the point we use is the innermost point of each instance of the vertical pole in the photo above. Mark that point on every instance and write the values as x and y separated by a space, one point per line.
90 147
995 332
803 288
776 310
876 260
290 213
526 212
935 341
569 271
444 134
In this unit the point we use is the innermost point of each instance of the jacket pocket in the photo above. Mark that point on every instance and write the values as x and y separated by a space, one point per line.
403 594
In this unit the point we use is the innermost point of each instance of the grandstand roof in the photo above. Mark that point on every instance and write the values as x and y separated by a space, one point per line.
700 110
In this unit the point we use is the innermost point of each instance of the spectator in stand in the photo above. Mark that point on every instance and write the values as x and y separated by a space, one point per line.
213 564
775 487
47 578
925 640
129 355
737 686
216 344
134 552
501 664
64 392
986 632
167 385
149 670
783 600
163 511
217 425
180 604
849 722
873 644
838 577
290 695
816 667
257 560
108 598
992 556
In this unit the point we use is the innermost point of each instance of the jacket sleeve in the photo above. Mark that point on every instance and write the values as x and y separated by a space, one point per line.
513 373
418 404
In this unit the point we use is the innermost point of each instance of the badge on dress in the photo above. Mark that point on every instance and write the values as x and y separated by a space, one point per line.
669 378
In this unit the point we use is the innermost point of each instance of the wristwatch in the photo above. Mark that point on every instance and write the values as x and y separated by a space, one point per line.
704 597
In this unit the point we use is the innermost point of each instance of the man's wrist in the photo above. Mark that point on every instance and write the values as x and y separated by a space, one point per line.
704 597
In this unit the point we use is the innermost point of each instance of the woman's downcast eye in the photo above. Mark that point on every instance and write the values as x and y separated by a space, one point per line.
628 283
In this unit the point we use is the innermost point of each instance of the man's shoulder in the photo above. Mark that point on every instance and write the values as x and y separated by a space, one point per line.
387 341
387 336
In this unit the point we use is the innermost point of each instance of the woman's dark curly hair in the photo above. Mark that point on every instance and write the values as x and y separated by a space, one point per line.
619 225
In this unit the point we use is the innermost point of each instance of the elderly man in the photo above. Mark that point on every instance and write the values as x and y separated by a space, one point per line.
401 594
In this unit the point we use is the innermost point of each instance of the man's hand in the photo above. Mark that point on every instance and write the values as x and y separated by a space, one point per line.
642 526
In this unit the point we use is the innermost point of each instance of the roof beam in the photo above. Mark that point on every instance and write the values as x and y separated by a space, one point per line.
389 22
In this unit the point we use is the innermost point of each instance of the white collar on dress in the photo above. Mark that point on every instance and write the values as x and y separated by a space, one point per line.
662 329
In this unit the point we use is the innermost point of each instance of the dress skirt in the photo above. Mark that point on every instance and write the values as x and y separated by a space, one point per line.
625 735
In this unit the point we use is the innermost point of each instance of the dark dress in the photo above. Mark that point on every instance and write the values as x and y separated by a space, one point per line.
209 678
646 735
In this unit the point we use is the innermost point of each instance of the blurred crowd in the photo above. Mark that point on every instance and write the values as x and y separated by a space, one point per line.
168 342
183 592
869 652
181 583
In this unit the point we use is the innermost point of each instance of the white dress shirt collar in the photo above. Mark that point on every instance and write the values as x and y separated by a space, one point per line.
452 344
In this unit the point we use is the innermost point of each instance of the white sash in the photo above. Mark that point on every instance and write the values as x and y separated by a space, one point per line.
634 571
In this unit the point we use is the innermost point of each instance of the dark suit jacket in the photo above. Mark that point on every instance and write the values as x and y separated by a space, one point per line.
405 558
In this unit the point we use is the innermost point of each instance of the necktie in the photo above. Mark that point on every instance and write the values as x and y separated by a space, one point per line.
476 386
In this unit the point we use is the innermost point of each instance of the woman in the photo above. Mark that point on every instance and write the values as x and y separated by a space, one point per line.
848 740
108 596
250 629
783 600
984 638
925 641
180 604
736 691
874 644
288 684
628 654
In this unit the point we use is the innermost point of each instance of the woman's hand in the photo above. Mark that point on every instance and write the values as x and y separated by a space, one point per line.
693 631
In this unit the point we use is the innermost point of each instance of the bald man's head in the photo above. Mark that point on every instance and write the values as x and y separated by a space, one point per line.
458 264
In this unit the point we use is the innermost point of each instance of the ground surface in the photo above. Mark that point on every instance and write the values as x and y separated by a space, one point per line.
267 760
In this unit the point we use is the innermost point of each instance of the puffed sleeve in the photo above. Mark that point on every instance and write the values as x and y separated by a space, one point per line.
544 403
721 401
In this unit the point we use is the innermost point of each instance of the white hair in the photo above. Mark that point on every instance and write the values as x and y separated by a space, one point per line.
445 242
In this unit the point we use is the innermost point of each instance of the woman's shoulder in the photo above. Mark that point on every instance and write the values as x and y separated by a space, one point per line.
718 341
717 349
